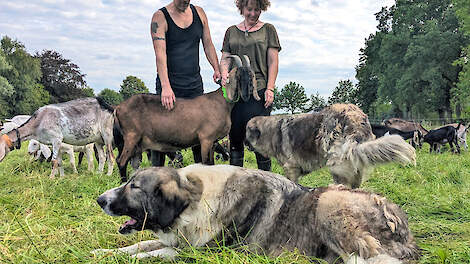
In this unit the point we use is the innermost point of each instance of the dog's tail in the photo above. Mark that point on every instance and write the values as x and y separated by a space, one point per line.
383 150
351 162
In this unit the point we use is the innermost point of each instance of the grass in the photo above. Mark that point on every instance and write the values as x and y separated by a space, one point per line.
58 221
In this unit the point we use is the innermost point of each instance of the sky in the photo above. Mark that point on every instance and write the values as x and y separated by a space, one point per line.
110 39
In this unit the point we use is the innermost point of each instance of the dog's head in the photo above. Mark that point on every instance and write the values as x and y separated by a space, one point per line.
153 198
259 133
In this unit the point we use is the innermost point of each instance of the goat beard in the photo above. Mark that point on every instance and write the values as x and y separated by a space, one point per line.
245 84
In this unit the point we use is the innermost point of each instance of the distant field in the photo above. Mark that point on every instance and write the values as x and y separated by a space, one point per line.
58 221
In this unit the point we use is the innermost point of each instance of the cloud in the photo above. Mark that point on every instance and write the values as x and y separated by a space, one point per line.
109 39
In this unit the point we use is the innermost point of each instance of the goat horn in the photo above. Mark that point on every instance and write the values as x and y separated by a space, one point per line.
247 61
237 59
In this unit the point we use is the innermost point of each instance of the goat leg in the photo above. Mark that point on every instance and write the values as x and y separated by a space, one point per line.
54 168
127 152
60 165
206 152
110 159
101 157
72 161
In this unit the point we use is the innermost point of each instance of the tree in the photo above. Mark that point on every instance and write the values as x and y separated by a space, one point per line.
22 72
410 59
61 78
345 92
367 73
132 85
110 96
316 103
36 98
461 93
6 89
292 98
88 92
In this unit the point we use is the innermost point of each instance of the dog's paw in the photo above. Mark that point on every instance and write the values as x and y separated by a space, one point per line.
101 251
142 255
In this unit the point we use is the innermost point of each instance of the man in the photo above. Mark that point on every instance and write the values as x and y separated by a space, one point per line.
176 30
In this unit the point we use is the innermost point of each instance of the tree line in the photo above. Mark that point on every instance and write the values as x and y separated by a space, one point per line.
29 81
414 66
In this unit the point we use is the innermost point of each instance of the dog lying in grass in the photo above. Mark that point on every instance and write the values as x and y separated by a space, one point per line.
339 137
202 204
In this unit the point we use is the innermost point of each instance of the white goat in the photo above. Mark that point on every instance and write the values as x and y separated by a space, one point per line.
37 149
77 122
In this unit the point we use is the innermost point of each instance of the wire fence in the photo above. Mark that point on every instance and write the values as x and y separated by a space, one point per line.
429 122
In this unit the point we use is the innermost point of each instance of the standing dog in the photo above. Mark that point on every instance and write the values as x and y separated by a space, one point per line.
202 204
339 137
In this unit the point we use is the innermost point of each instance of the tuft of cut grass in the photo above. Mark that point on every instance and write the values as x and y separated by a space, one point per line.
58 220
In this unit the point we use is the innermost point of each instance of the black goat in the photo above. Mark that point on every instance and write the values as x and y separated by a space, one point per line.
447 134
415 135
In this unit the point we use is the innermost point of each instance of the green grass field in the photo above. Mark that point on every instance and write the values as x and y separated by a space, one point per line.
58 221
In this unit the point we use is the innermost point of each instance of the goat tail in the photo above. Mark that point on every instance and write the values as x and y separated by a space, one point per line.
350 162
117 133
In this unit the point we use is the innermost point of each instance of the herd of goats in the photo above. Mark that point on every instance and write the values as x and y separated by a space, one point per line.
339 137
454 134
93 128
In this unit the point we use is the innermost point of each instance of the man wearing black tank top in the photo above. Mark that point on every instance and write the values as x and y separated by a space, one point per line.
176 31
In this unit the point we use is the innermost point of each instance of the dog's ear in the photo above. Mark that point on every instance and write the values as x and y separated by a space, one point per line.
255 133
170 199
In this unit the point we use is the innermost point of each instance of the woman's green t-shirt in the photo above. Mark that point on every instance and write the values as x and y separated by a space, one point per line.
255 45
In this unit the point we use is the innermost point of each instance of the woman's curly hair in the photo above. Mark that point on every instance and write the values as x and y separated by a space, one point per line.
262 4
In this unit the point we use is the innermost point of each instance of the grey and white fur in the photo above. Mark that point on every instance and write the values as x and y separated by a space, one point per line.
202 204
339 136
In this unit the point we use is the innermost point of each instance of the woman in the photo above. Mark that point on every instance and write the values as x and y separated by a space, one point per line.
260 42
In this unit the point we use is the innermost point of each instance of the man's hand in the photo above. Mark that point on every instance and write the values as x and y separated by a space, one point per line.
216 76
168 98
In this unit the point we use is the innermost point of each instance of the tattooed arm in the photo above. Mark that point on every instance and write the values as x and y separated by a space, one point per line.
158 28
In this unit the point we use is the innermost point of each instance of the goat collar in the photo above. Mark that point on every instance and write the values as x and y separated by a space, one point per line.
224 92
7 140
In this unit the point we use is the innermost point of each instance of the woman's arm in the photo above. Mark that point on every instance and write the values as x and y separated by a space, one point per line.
273 67
224 64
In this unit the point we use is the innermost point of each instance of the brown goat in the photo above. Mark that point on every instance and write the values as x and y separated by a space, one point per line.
142 123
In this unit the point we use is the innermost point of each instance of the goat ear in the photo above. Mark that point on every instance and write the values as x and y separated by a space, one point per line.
45 151
254 84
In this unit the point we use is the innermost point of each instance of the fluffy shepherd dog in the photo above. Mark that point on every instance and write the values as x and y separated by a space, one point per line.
202 204
339 137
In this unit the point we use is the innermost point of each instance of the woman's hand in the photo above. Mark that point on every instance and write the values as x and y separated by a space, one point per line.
224 78
268 97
